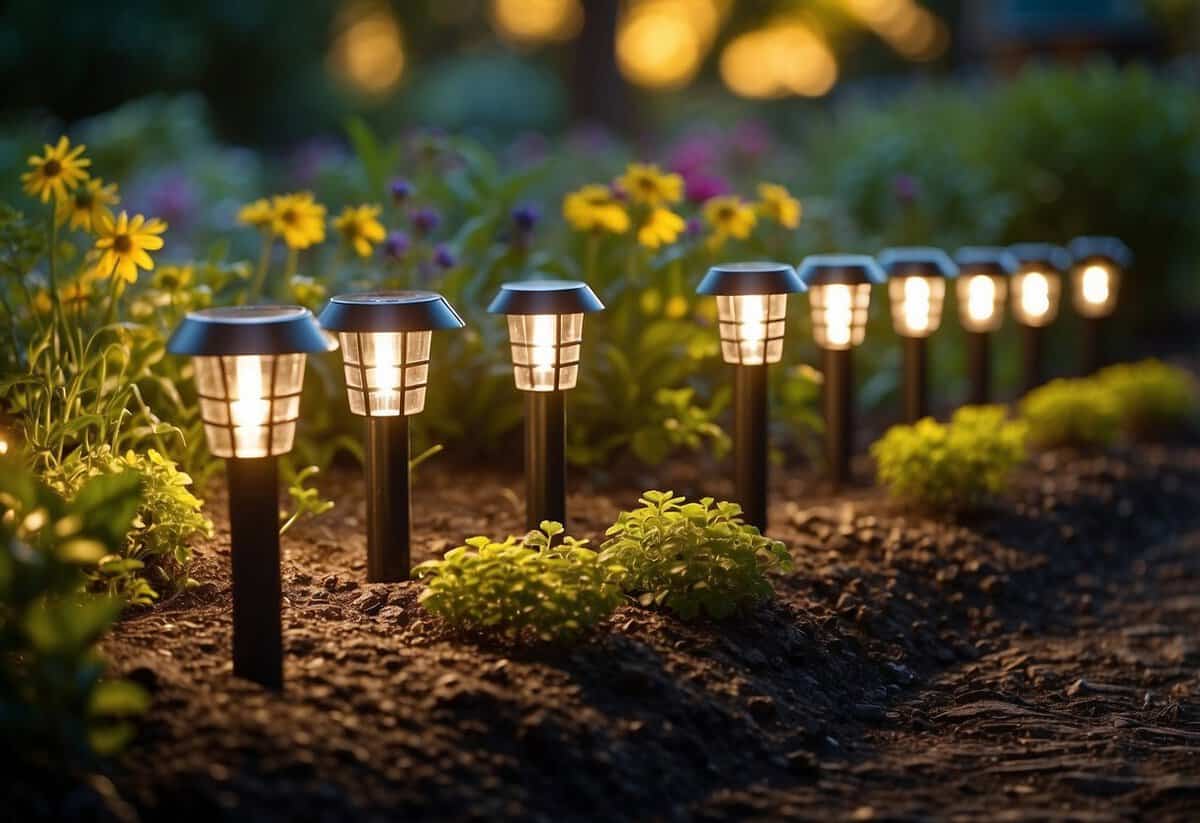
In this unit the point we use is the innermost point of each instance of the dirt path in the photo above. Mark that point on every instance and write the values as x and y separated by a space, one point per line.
1037 662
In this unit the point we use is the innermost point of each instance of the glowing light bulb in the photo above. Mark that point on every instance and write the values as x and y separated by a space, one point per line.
981 297
917 308
1095 285
839 314
3 447
752 327
1035 295
543 356
250 409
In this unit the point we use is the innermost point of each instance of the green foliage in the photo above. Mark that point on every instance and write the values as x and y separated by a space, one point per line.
156 552
536 587
954 466
693 558
307 502
1076 413
680 424
55 704
1153 399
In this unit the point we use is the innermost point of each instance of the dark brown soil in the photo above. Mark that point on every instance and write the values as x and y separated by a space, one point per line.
1039 661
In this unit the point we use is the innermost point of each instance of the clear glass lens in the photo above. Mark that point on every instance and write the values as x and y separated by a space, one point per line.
839 314
1035 297
250 403
981 301
386 372
545 350
752 327
917 304
1094 290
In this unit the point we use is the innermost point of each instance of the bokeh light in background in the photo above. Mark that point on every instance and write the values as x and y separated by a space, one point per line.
368 52
781 59
912 30
661 44
533 22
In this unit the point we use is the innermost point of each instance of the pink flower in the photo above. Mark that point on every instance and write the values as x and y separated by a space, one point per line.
700 186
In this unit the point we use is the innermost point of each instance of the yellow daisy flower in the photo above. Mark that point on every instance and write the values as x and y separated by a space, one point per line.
87 203
260 214
776 203
123 244
593 208
662 227
648 184
299 220
57 171
677 306
728 216
360 228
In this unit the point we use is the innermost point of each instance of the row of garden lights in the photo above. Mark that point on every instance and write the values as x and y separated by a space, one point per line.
249 366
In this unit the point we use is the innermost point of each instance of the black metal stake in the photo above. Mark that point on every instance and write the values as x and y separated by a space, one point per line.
257 589
979 367
750 442
839 413
389 504
545 458
1093 345
916 383
1031 357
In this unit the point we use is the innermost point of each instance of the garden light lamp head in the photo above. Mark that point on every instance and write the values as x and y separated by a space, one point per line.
983 275
839 288
1099 263
249 363
917 287
385 339
1037 282
545 326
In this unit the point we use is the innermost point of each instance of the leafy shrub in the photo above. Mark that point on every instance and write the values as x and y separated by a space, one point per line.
953 466
533 586
54 703
156 552
1071 413
1153 399
692 558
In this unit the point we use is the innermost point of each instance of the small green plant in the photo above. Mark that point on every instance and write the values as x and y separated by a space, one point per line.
1077 413
954 466
55 704
155 554
692 558
536 586
1153 399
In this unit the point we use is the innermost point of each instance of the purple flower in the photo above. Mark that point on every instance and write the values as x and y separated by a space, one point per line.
401 190
425 221
700 186
751 140
906 188
396 245
443 257
695 227
525 217
695 153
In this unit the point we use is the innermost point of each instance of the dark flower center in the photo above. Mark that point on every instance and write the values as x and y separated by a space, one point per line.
122 244
52 168
288 216
83 199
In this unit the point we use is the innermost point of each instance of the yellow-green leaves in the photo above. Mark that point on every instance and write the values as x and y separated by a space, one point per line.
954 466
536 587
693 558
1153 399
1071 413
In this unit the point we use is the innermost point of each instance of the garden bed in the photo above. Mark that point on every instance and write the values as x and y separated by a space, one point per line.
1040 656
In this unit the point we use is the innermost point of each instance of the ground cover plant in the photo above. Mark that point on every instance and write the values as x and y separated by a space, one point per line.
694 558
1154 400
545 586
54 696
1076 413
954 466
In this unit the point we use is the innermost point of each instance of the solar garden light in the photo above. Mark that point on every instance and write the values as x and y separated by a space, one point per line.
840 295
751 309
249 364
917 288
1036 288
545 327
1095 277
983 274
385 339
